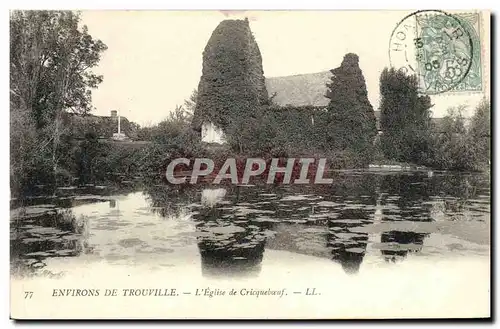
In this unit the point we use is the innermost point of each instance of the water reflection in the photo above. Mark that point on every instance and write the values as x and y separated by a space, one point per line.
406 199
229 244
227 229
349 247
397 244
42 232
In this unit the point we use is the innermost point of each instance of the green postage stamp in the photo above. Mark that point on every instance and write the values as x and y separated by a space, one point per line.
443 49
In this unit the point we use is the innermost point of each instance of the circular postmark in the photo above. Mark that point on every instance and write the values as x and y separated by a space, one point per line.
434 46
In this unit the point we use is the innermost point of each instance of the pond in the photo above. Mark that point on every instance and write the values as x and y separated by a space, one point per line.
366 225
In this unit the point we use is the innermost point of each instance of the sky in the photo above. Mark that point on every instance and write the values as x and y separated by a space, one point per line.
154 58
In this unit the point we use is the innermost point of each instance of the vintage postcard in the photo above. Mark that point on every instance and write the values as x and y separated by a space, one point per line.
250 164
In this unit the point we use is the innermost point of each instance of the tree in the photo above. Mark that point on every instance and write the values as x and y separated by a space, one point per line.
180 116
405 118
480 131
50 73
352 123
50 62
190 103
87 157
453 147
463 144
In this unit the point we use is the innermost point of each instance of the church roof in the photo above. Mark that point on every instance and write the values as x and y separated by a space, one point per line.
299 90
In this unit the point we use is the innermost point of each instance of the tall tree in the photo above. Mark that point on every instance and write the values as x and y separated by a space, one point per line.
352 126
190 103
51 59
50 62
480 130
405 118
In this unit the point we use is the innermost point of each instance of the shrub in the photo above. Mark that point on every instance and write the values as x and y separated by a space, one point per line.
459 146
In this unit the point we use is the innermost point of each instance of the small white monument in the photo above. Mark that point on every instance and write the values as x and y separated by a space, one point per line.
119 136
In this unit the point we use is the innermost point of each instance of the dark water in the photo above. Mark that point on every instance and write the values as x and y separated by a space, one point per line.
362 218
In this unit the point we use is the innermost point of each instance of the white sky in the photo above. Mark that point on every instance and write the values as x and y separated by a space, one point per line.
154 58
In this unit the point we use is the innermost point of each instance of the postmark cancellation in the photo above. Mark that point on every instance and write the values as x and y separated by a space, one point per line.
443 49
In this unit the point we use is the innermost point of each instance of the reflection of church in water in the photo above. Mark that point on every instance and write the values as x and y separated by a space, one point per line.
234 244
229 245
411 195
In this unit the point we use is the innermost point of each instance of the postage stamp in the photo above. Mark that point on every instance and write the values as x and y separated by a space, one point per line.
441 48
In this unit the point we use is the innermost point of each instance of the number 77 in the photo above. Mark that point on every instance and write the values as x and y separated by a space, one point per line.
28 294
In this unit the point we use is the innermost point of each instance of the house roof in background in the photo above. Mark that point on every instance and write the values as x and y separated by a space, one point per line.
299 90
309 90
